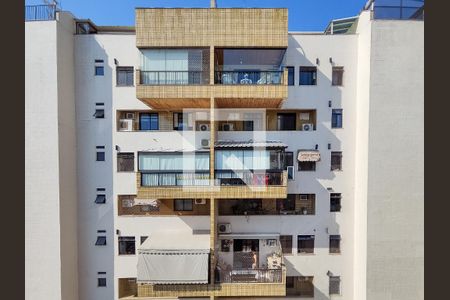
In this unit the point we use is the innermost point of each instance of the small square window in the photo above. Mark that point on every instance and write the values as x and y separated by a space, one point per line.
100 156
101 241
336 118
125 162
127 245
100 199
99 71
335 202
305 244
101 282
335 285
336 161
183 205
124 76
335 244
99 113
286 244
308 76
337 76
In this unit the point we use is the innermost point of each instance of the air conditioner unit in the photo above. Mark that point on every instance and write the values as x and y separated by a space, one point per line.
205 143
308 127
203 127
126 125
227 127
129 115
224 228
200 201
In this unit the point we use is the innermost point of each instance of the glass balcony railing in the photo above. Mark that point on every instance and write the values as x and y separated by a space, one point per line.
248 77
173 77
45 12
251 178
165 179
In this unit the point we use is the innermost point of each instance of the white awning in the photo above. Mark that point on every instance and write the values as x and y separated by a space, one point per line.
151 202
308 155
174 257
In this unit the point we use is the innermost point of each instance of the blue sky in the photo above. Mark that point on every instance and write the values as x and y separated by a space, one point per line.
304 15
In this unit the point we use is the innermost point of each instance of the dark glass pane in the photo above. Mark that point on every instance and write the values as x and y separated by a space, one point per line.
291 75
286 121
99 71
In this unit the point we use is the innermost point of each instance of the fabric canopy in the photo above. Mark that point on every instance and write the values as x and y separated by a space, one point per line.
171 257
308 155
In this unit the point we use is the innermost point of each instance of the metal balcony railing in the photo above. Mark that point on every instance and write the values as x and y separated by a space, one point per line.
40 12
248 77
251 178
163 179
250 276
173 77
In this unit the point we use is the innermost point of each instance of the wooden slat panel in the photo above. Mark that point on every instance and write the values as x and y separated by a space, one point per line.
224 27
205 192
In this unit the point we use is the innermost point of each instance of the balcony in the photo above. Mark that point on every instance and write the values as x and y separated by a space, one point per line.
228 190
185 89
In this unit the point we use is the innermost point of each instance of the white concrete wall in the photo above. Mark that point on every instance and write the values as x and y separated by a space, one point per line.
361 154
42 239
50 172
67 155
395 196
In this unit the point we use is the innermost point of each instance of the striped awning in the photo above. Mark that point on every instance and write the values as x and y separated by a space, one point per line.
249 144
308 155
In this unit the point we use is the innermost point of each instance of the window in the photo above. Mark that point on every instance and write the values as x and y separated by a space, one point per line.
306 286
183 204
335 202
148 121
286 121
99 113
225 245
291 75
182 121
125 162
335 244
300 286
307 204
336 118
143 239
337 76
290 282
101 282
336 161
286 244
289 164
248 125
308 76
287 204
306 165
99 71
101 241
100 154
305 244
124 76
335 285
100 199
127 245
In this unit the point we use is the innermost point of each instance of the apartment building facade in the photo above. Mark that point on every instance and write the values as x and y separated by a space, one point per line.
219 155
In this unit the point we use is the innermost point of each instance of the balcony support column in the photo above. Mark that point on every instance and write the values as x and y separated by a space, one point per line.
213 237
211 65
